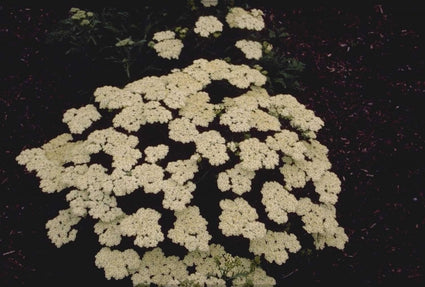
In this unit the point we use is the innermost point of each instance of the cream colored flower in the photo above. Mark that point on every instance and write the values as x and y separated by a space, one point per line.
198 109
190 230
212 146
209 3
177 196
236 179
117 264
278 201
144 225
251 49
164 35
183 170
109 232
150 177
239 218
156 268
207 25
169 49
79 120
256 155
328 187
182 130
156 153
59 229
240 18
110 97
274 246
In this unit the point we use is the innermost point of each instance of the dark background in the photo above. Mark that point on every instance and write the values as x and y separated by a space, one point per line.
364 77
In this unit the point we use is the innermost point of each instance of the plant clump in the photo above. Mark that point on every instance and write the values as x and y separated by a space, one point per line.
238 136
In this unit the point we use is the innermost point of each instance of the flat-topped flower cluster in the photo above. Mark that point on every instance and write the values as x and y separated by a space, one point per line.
261 131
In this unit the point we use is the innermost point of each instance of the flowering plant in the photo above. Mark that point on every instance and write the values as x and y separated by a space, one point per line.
221 167
124 39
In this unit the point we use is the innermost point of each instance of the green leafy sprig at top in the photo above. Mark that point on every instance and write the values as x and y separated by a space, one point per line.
121 41
199 132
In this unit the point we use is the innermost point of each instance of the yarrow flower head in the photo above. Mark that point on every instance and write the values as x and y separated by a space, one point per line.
80 119
209 3
207 25
240 18
167 46
164 35
83 16
251 49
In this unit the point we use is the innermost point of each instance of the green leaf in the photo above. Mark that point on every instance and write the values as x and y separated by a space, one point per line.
280 81
283 34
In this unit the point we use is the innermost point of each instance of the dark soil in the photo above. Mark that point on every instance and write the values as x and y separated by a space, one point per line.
364 77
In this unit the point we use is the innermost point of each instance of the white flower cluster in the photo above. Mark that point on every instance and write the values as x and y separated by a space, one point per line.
151 88
147 101
256 155
243 76
92 194
80 119
49 172
207 25
190 230
84 17
176 195
287 142
149 176
198 109
294 176
244 113
164 35
240 18
274 246
320 221
239 218
182 130
61 150
236 179
180 89
183 170
167 46
299 116
328 187
120 146
59 229
144 225
212 146
110 97
251 49
156 153
156 268
278 201
216 263
181 85
117 264
133 117
109 232
209 3
314 163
